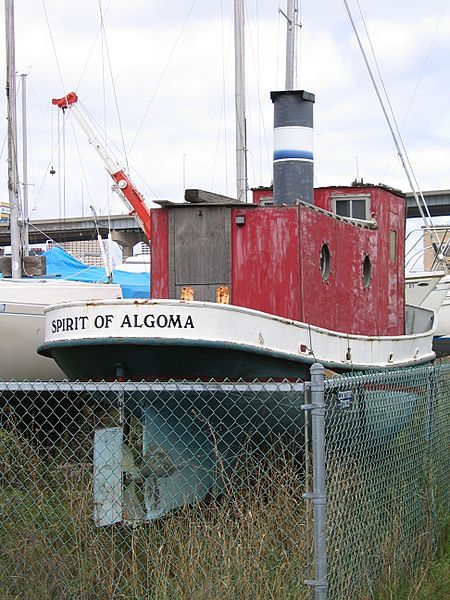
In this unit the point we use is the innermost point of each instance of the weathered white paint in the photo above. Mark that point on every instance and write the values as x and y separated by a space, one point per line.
203 322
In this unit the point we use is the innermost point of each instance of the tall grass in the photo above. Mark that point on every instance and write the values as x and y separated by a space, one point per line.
249 544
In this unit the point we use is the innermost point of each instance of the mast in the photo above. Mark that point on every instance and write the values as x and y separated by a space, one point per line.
13 188
241 136
291 44
25 244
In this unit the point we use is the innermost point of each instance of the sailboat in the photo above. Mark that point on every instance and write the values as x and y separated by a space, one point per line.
23 299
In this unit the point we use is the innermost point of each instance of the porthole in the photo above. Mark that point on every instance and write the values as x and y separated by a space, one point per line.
367 271
325 262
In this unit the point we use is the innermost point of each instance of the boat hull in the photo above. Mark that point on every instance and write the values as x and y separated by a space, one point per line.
161 339
22 322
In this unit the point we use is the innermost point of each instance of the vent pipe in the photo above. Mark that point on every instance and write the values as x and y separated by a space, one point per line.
293 167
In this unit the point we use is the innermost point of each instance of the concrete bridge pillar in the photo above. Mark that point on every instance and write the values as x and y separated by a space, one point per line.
128 239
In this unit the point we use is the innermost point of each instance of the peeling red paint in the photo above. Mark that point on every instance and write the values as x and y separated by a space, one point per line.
159 248
275 262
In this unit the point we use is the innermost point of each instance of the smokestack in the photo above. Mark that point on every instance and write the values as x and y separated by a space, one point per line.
293 167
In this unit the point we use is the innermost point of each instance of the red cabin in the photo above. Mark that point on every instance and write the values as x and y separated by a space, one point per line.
337 263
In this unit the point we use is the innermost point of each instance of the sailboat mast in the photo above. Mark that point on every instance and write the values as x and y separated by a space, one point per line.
291 44
13 188
25 165
241 136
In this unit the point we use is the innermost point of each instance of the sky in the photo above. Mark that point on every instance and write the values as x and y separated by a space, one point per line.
158 77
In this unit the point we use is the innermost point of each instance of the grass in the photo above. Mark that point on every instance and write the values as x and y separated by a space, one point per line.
250 544
431 581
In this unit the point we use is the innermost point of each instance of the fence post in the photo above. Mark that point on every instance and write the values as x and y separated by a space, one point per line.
319 496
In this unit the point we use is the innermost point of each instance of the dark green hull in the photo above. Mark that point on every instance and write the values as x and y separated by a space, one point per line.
138 359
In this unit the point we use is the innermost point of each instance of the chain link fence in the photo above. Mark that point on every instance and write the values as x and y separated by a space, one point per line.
162 490
387 454
191 490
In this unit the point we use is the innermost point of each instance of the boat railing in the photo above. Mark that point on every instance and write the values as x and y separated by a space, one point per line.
421 248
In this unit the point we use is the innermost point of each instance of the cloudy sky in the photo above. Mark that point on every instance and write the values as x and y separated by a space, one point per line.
157 75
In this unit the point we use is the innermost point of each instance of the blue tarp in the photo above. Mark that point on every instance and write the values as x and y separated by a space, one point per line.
64 265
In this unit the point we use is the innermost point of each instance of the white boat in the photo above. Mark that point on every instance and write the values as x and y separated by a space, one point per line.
418 287
23 299
22 322
439 301
138 263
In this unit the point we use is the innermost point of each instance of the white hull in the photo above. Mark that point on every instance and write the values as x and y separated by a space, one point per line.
419 286
196 326
439 301
22 323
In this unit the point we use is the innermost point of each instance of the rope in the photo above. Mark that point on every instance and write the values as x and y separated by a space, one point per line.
392 112
422 70
388 120
163 73
53 45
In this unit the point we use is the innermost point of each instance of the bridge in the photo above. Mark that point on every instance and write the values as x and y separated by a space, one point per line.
438 203
124 230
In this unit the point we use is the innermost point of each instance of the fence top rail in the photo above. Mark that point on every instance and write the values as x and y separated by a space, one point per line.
151 386
379 377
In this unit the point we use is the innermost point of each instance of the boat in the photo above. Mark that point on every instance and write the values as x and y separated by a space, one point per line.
243 290
22 322
439 301
419 285
431 289
172 339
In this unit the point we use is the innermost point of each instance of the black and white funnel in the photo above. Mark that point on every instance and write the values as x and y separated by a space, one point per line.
293 165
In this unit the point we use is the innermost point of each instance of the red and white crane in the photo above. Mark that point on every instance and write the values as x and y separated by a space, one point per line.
129 193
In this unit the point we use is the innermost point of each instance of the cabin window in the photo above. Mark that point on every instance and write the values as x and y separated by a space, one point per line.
367 271
393 245
325 262
353 207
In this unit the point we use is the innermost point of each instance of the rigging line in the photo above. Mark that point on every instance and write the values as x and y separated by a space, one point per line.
49 165
92 48
422 70
53 44
64 169
79 155
163 73
392 110
105 129
277 70
260 108
99 132
383 108
3 145
95 126
417 192
116 100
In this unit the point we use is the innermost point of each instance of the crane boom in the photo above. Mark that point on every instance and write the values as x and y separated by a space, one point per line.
133 199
